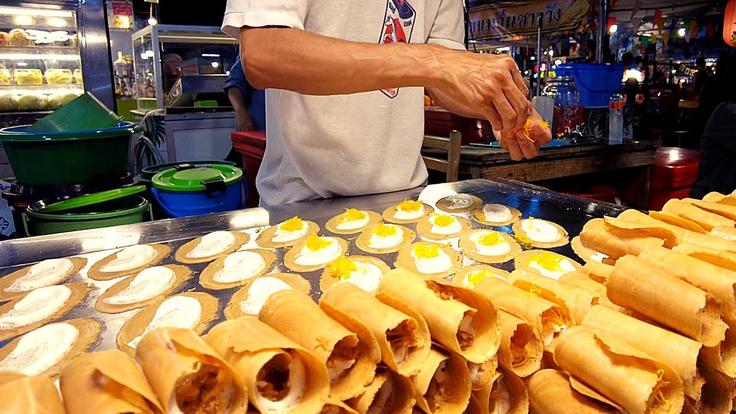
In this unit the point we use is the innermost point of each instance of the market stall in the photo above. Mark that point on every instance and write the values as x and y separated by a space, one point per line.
575 312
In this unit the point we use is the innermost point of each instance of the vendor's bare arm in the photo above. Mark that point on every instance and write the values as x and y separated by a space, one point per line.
312 64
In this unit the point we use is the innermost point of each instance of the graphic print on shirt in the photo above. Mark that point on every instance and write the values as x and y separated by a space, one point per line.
398 25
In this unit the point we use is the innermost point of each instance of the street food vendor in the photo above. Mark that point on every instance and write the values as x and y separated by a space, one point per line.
344 80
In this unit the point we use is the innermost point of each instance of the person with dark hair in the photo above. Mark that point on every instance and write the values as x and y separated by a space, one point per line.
718 146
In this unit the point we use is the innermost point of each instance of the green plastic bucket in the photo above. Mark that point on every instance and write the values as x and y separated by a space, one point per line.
63 158
109 208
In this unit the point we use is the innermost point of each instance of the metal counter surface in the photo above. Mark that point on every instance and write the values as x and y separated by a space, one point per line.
570 212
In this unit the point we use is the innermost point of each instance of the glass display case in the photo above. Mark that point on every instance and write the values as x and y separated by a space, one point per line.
164 54
45 49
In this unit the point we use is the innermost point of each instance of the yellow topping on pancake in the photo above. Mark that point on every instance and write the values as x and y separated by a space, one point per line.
315 242
443 220
341 268
426 251
292 224
384 230
352 214
410 205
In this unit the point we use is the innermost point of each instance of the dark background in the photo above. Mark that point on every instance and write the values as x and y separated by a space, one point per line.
199 13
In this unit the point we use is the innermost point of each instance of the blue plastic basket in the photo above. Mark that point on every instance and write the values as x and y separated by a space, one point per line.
596 82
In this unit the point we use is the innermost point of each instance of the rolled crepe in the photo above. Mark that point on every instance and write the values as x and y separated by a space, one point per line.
718 281
586 254
482 374
443 385
682 231
726 233
604 236
577 301
727 209
401 332
280 376
337 407
389 392
548 318
107 382
716 197
717 393
598 271
460 319
521 347
690 211
30 395
187 374
550 392
712 256
507 394
645 288
620 372
676 351
722 357
346 346
474 406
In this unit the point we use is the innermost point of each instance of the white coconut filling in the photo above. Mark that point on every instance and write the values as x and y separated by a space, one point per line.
130 258
378 242
36 306
565 267
337 367
454 227
400 214
308 257
259 292
40 349
382 400
598 257
240 266
500 398
174 312
439 264
354 224
173 405
541 231
297 387
45 273
366 276
212 244
497 213
146 285
489 250
284 236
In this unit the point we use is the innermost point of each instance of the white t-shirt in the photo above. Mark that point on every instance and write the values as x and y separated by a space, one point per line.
343 145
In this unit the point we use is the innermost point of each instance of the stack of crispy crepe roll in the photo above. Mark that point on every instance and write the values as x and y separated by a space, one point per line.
279 375
107 382
31 395
348 348
549 319
619 372
188 375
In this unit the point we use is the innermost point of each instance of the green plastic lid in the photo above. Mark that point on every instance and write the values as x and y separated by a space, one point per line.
92 199
190 179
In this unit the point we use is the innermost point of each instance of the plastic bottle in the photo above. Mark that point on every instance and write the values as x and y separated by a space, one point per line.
616 120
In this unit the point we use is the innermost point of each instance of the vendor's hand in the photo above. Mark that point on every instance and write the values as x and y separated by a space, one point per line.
243 122
525 143
487 86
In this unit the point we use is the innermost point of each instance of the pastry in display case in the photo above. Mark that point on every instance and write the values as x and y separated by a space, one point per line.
40 61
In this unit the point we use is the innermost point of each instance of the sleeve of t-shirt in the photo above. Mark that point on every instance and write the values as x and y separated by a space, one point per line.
448 28
262 13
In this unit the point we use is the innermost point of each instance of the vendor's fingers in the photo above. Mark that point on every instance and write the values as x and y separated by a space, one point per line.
506 110
521 105
528 147
514 150
494 118
542 133
519 80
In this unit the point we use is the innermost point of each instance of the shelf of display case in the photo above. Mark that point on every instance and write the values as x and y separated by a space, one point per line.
39 48
26 55
41 88
25 113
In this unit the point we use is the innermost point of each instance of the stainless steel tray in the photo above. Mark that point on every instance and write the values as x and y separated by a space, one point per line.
570 212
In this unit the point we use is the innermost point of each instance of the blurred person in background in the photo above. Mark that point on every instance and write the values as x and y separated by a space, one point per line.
248 102
718 145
